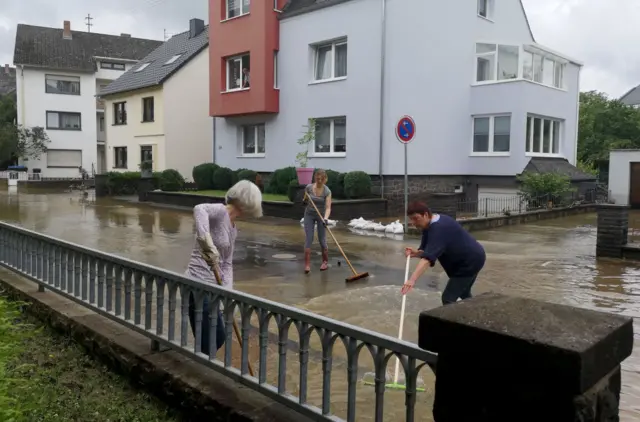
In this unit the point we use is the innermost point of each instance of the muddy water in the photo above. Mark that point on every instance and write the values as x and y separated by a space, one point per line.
552 261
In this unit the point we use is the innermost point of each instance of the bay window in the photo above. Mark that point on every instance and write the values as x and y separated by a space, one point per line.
496 62
543 135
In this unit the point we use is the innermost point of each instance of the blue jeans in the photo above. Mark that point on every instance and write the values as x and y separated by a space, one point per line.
458 287
221 333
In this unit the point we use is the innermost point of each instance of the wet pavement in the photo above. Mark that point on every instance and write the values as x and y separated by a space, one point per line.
550 260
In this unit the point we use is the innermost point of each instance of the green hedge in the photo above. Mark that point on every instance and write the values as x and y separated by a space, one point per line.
203 175
126 183
223 178
280 180
357 184
171 181
249 175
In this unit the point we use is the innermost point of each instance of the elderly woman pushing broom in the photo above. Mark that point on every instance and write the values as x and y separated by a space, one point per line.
212 253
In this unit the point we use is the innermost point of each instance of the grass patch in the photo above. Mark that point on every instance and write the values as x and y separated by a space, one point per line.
45 377
221 193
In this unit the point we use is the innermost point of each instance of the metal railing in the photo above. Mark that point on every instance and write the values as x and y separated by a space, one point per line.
149 301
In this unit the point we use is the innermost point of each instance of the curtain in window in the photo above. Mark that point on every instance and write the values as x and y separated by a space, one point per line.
235 74
233 8
70 121
249 140
323 136
53 120
323 62
340 135
341 60
245 6
261 139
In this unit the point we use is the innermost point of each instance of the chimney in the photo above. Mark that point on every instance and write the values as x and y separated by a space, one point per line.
66 32
125 35
6 69
196 26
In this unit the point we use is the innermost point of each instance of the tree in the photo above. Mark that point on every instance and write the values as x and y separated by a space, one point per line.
22 142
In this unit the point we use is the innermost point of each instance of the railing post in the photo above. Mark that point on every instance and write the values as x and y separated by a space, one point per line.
503 358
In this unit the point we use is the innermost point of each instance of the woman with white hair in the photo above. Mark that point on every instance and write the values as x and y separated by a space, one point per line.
216 234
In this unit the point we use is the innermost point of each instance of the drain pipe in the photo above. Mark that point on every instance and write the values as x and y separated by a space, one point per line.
383 48
214 140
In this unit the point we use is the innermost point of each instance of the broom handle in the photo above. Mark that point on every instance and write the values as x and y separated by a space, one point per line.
332 236
404 302
235 325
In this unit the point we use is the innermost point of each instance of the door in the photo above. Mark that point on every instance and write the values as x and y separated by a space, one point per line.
146 154
634 185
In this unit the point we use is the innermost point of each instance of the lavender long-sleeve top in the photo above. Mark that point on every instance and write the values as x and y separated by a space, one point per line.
214 219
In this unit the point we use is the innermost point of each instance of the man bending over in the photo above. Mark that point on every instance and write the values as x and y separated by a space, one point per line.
445 240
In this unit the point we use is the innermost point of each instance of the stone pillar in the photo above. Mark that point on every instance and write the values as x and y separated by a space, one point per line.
503 358
101 185
613 230
443 203
145 184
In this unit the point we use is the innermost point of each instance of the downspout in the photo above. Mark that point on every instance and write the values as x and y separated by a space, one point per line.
383 48
575 152
22 97
214 140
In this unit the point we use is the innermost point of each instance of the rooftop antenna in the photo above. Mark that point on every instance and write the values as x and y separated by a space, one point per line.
88 20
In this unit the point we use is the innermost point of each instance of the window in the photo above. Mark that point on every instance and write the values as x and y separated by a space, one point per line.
55 84
173 59
492 134
238 69
237 8
331 136
253 139
330 61
545 70
64 158
275 69
543 135
110 65
146 153
120 157
483 8
120 113
62 120
496 62
143 67
101 124
147 109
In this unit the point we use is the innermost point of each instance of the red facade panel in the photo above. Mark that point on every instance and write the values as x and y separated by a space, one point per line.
255 34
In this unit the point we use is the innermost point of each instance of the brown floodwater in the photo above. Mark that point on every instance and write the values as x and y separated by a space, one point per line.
551 260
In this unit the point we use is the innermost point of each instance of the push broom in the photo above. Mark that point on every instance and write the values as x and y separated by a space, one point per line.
395 385
355 275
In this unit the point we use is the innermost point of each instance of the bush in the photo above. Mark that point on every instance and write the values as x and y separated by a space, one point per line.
126 183
552 186
223 178
292 189
249 175
171 181
203 175
357 184
334 182
280 179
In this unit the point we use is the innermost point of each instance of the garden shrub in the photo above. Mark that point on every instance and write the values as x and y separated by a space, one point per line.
223 178
357 184
203 175
334 182
126 183
171 181
249 175
280 179
544 186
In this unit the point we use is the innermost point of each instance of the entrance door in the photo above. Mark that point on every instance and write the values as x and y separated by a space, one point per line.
634 185
146 154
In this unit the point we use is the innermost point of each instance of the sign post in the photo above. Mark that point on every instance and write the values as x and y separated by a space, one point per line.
405 132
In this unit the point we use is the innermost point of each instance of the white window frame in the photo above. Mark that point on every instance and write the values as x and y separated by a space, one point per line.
243 3
332 138
488 6
228 63
491 118
333 44
496 57
529 139
76 165
255 128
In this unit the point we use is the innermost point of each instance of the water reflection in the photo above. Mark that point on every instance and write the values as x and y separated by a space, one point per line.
169 223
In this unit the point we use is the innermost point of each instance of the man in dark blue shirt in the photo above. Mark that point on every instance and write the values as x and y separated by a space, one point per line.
446 241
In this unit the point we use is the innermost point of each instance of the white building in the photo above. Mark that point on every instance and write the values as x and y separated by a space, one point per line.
59 72
624 177
488 101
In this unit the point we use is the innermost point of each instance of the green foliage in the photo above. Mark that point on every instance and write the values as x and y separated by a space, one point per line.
335 182
126 183
203 175
171 181
280 179
146 165
535 186
605 124
292 190
357 184
249 175
308 136
223 178
8 109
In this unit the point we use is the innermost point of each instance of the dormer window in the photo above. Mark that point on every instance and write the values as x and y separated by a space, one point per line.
173 59
141 68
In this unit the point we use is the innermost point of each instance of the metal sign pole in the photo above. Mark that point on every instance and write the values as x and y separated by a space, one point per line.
405 132
406 188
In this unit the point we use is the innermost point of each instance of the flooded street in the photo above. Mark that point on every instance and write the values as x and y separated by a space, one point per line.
552 260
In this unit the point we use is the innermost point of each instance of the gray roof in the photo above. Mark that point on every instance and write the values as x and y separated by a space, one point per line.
7 80
558 165
45 47
298 7
632 97
157 72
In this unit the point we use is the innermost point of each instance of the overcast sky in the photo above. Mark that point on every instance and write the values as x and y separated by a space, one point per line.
602 34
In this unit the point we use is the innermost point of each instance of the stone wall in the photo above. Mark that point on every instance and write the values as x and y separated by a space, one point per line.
613 228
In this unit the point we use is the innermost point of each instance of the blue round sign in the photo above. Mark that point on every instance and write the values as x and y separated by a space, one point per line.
406 129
